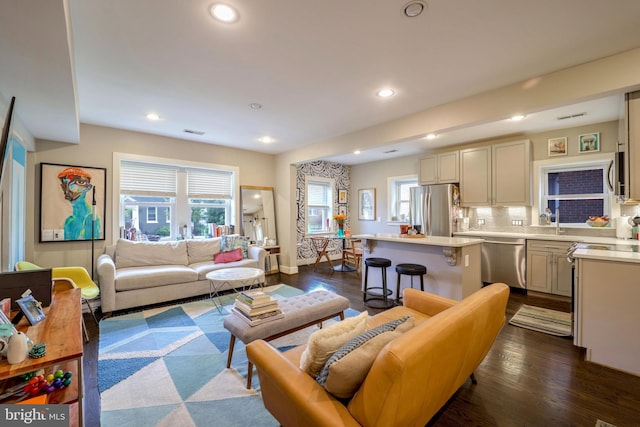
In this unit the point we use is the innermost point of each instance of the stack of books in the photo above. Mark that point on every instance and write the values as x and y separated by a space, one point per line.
256 307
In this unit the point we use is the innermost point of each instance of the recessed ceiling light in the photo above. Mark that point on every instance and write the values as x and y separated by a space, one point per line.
517 118
266 139
414 8
356 152
385 93
255 106
431 136
224 13
153 117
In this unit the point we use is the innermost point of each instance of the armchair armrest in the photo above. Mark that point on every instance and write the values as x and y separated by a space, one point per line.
291 395
425 302
259 254
107 280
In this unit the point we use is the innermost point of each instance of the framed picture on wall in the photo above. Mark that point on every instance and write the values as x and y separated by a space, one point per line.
589 142
72 202
342 210
342 196
557 146
367 204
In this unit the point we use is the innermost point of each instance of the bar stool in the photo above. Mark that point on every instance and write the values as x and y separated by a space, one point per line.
380 293
409 270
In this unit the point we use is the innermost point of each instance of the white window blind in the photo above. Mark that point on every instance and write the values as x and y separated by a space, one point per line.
318 193
209 184
148 179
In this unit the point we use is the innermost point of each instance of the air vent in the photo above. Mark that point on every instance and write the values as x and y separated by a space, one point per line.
194 132
572 116
391 151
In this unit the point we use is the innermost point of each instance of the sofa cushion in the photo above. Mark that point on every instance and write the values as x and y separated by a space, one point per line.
149 277
202 250
349 365
324 342
226 257
234 241
137 254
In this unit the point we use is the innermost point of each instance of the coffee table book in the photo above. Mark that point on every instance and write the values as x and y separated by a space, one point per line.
257 320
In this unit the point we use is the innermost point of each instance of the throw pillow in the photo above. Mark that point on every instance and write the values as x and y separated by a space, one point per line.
234 241
324 342
224 257
347 368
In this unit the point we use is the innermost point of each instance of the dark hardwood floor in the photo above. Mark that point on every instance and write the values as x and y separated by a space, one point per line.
527 379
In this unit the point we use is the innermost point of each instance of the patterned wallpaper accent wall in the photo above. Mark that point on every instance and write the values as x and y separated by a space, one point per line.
323 169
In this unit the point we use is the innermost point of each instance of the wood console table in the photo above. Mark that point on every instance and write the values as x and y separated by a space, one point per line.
61 331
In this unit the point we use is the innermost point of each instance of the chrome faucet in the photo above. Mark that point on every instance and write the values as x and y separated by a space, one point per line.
558 229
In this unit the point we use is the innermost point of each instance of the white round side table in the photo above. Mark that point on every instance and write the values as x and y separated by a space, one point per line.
233 278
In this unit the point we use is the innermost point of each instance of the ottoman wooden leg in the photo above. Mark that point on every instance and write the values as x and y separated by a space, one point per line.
232 342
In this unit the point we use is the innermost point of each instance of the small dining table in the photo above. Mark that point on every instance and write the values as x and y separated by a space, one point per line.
322 251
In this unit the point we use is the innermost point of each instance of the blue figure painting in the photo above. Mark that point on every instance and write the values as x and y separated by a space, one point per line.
75 184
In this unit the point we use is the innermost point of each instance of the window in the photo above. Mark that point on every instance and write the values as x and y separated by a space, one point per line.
399 190
152 214
159 199
319 196
577 190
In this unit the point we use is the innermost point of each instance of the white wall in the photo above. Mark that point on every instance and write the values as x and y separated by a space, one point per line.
96 148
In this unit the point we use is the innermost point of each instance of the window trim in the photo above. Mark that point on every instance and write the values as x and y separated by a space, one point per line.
597 159
155 211
180 211
392 203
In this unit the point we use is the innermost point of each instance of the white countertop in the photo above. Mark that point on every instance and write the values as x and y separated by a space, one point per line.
454 242
564 237
605 255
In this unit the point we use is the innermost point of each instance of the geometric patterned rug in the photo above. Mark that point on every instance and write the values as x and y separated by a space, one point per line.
167 367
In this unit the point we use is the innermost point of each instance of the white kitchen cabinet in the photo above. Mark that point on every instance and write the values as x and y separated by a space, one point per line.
496 175
440 168
475 176
547 267
511 173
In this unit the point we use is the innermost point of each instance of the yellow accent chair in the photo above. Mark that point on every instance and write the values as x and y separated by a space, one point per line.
77 277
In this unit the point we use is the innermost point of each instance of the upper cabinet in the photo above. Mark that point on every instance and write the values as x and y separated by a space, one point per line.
440 168
496 175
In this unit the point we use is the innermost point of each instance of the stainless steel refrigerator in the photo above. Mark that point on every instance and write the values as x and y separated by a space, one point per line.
434 208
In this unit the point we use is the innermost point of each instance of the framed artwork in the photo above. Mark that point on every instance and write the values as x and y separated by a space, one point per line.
72 202
367 204
31 308
557 146
589 142
342 196
342 210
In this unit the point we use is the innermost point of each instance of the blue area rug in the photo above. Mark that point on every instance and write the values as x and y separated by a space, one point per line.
167 367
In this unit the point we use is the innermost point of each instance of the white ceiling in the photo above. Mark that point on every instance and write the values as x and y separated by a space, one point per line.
314 66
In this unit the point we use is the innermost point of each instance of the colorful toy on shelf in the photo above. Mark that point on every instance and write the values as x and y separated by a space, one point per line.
38 384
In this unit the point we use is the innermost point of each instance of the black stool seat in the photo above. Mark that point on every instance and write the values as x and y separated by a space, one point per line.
377 293
377 262
409 270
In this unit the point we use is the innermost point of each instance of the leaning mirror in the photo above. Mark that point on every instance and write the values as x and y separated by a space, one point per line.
258 214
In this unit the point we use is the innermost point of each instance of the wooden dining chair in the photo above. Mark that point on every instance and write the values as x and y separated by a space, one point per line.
320 245
353 254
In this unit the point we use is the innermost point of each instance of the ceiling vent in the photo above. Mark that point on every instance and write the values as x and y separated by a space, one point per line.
391 151
194 132
572 116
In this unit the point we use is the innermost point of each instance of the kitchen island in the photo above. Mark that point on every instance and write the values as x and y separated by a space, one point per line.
453 263
607 296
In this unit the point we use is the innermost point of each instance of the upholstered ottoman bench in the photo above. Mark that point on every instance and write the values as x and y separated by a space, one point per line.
299 312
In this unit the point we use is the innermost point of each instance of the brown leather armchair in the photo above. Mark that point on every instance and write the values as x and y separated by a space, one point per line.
412 377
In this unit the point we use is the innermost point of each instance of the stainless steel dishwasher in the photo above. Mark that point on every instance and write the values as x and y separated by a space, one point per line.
504 260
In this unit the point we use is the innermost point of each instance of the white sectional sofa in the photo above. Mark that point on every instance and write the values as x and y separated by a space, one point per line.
133 274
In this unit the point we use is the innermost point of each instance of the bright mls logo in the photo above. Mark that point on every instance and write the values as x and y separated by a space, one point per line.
34 415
